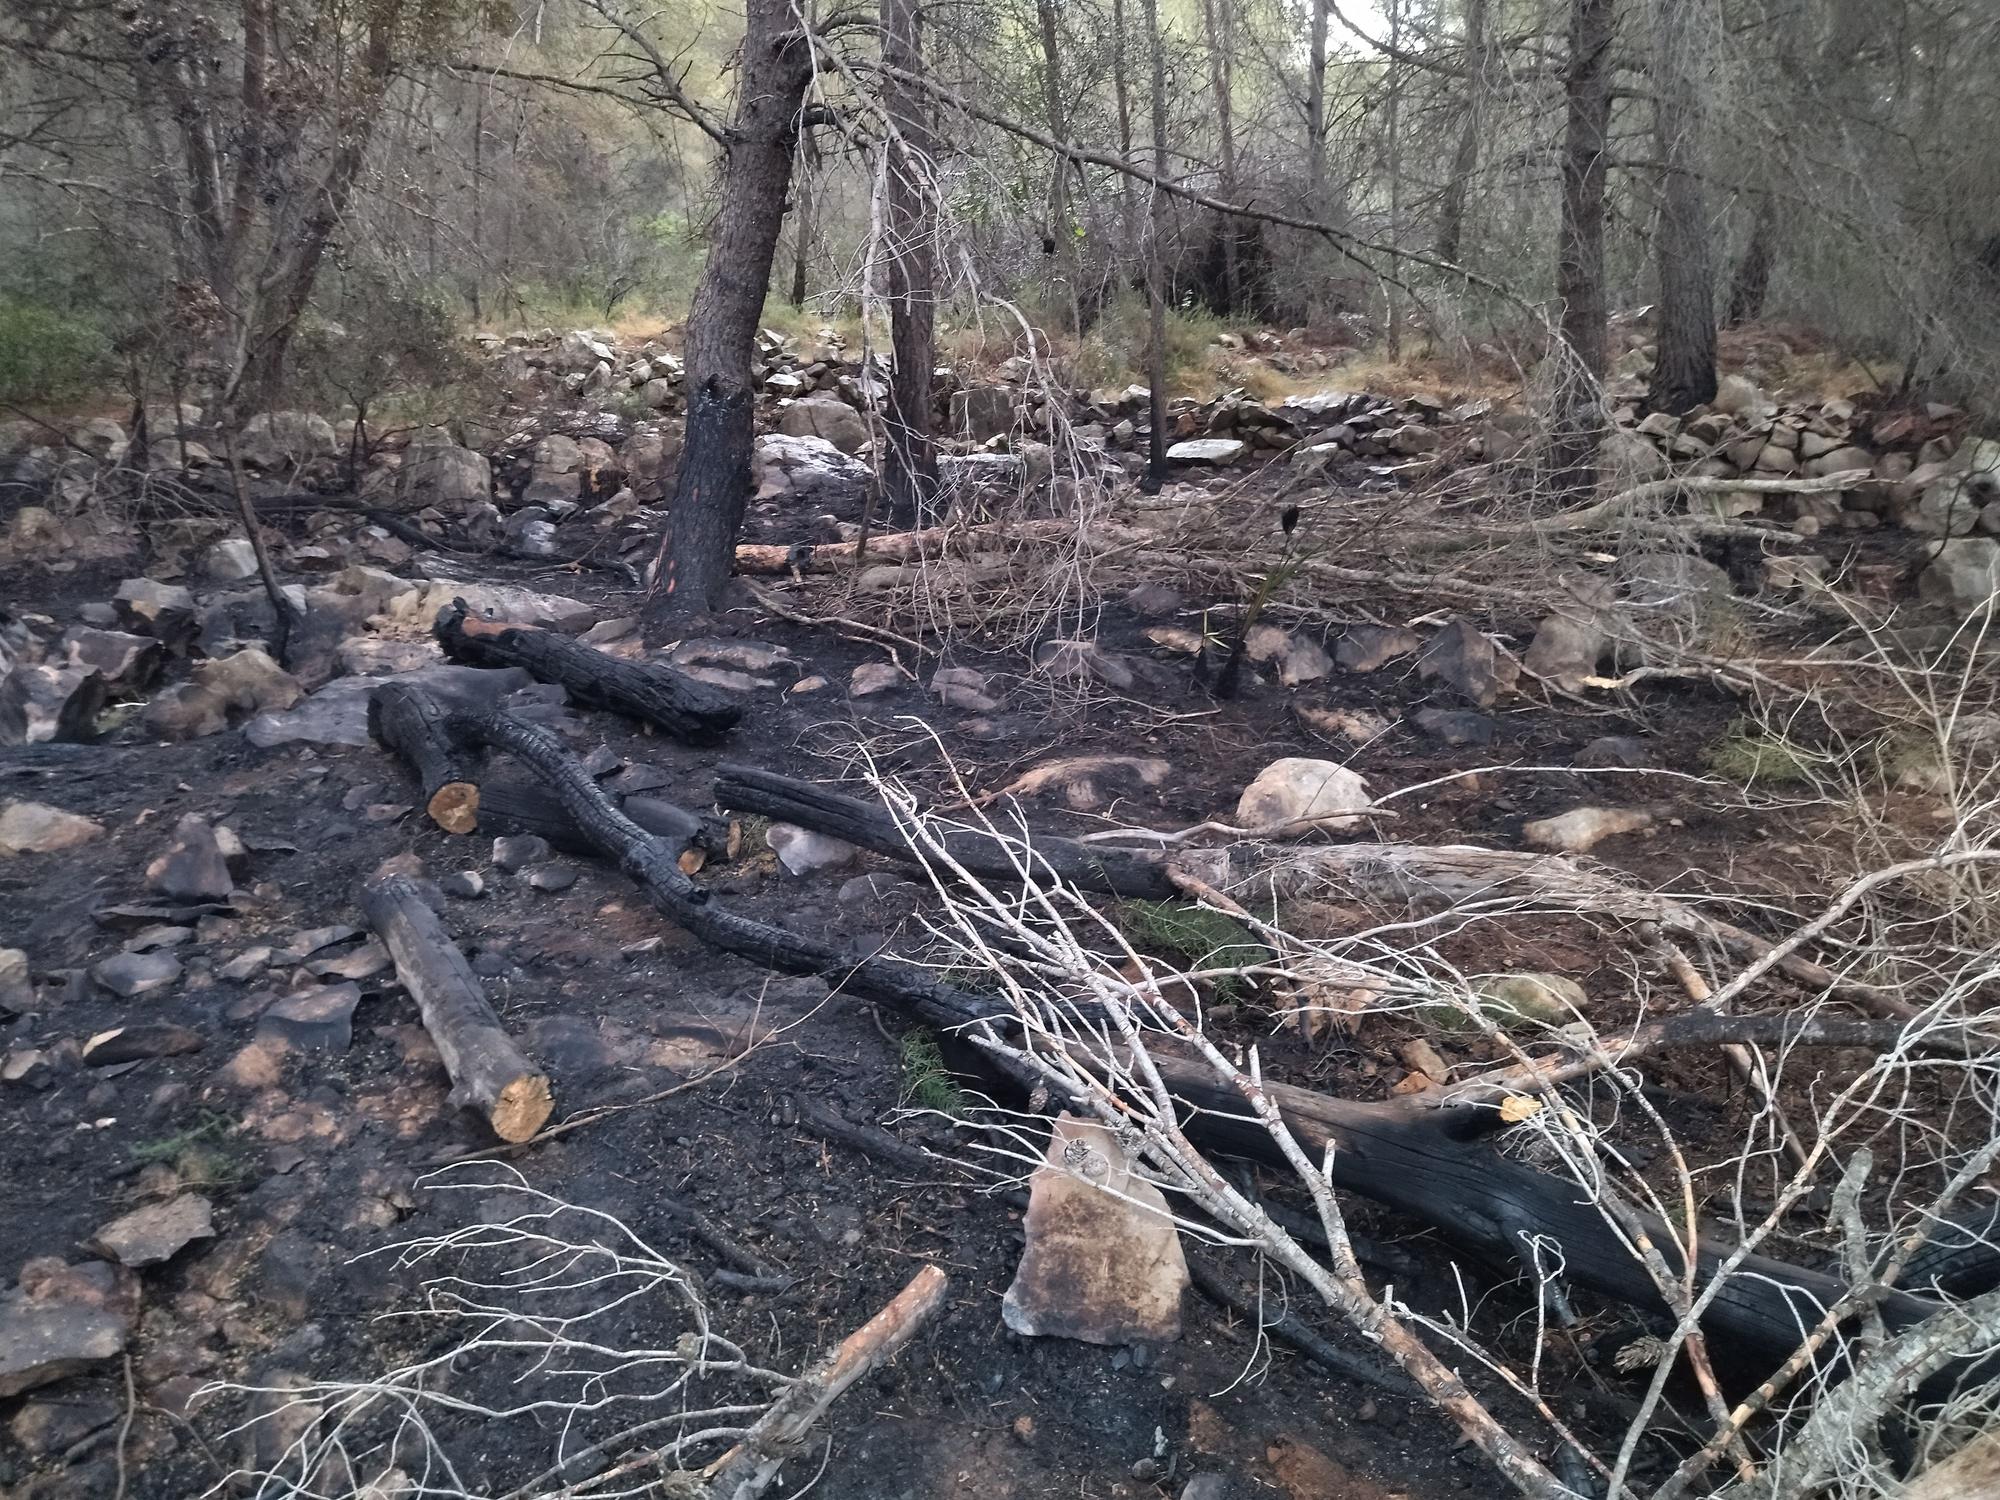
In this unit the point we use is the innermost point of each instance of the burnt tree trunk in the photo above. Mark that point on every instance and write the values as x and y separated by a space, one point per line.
411 723
909 468
1579 413
712 487
1684 365
1752 281
1059 242
1217 21
1156 272
488 1073
683 706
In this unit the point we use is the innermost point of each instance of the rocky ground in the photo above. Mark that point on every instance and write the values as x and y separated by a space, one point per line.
218 1109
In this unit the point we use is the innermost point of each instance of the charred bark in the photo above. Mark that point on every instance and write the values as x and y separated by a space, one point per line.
1579 414
909 462
656 695
712 487
412 724
1684 363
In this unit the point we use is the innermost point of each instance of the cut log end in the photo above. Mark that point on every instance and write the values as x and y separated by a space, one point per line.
454 807
522 1108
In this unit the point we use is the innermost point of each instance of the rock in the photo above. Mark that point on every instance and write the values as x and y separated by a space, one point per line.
550 877
466 885
1303 660
1155 601
338 713
123 1044
1677 592
1411 439
100 437
221 693
1613 752
1741 398
230 560
963 688
873 677
1839 460
1215 452
61 1319
802 852
316 1020
1297 790
1369 648
164 611
131 975
495 603
17 985
37 828
45 1428
738 656
1965 574
282 439
1569 643
1626 459
1539 999
43 703
808 469
1454 726
1082 660
827 418
983 411
444 474
515 852
1103 1261
193 867
124 661
158 1232
1464 658
1581 829
1803 573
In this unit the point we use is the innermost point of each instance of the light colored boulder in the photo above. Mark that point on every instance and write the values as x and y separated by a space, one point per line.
281 439
444 474
1298 792
1965 574
828 418
37 828
1213 452
1581 829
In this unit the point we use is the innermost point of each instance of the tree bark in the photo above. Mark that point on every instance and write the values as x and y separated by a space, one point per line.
1156 275
412 724
712 487
1471 121
1752 281
1221 44
909 462
1122 93
1684 363
488 1073
1579 413
1316 110
683 706
802 219
1061 241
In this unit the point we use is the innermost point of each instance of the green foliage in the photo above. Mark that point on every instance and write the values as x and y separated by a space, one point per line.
1193 937
1113 353
1747 753
47 355
204 1154
927 1082
381 340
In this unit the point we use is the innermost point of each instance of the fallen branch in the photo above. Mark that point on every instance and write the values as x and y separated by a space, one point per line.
411 723
746 1470
488 1073
656 695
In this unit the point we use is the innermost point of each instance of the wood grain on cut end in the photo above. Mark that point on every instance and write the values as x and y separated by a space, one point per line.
454 807
524 1107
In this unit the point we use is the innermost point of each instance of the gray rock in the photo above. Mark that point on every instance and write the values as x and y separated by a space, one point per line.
230 560
130 975
1411 439
466 885
17 987
1613 752
221 693
515 852
144 1039
807 469
964 688
282 439
550 877
318 1020
803 852
1965 574
192 868
1155 601
1215 452
61 1319
44 703
1082 660
983 411
1454 726
1463 657
164 611
37 828
1369 648
156 1233
123 660
827 418
873 677
338 713
444 474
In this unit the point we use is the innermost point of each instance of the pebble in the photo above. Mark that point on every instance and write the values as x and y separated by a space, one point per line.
550 877
512 852
467 885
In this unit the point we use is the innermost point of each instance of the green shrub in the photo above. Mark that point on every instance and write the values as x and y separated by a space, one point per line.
1193 937
927 1082
46 355
1747 753
1113 353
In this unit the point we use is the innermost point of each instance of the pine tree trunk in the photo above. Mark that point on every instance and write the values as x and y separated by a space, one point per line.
802 221
1684 366
1122 90
1156 274
1579 414
1471 120
909 471
1060 240
712 487
1747 289
1215 18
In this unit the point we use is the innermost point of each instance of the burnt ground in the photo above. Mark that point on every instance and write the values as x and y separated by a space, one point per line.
318 1163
